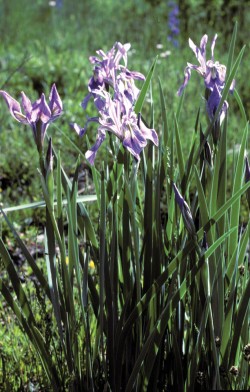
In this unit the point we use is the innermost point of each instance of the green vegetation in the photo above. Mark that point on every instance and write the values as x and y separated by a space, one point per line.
122 292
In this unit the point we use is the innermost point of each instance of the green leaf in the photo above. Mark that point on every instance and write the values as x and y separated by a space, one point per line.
142 95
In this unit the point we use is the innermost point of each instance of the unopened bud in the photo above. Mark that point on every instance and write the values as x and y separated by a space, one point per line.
185 211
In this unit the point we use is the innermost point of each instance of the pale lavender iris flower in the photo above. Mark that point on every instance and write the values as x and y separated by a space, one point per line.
38 114
114 92
107 66
212 71
125 126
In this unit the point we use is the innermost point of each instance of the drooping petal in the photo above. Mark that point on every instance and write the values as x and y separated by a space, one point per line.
134 142
213 103
14 107
149 134
134 75
187 75
86 101
91 153
81 131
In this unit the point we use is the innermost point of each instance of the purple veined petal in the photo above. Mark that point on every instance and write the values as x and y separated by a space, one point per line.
80 131
134 142
14 107
209 82
187 75
115 114
149 134
27 106
91 154
132 74
213 103
94 60
101 53
96 82
212 46
86 100
203 45
200 57
55 103
122 53
44 129
197 68
40 111
99 103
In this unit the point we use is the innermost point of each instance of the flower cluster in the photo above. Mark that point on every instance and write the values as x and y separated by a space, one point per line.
213 73
173 23
37 115
112 87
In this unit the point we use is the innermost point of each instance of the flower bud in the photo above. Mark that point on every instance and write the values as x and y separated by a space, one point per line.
185 211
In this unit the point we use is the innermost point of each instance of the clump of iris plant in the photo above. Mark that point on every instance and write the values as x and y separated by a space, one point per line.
214 75
38 115
113 90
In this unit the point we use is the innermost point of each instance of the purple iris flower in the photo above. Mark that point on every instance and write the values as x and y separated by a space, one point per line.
38 114
213 103
212 71
114 92
107 65
124 125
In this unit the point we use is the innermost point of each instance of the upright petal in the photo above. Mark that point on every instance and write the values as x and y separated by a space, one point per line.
55 103
200 55
203 45
40 111
213 45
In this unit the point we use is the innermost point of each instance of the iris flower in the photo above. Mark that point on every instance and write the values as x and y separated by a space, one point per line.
114 92
38 114
105 72
125 126
212 71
